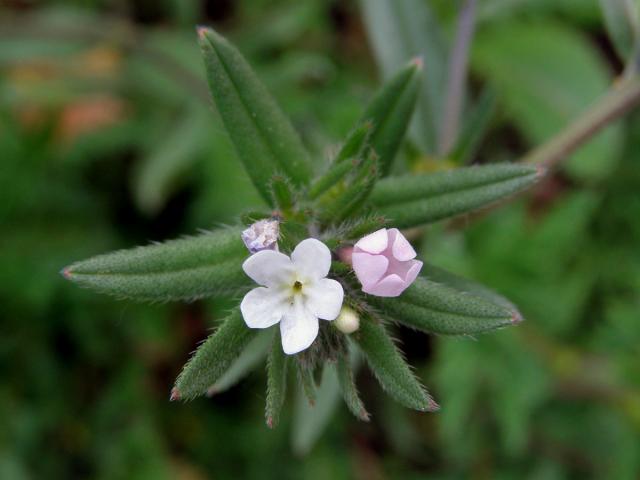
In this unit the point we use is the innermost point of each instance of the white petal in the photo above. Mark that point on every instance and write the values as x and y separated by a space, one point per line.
269 268
324 298
298 328
375 242
263 307
312 259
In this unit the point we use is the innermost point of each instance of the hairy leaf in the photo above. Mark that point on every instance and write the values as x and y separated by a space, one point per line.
391 370
446 304
254 353
213 357
399 31
263 137
390 112
310 421
413 200
277 367
209 264
349 389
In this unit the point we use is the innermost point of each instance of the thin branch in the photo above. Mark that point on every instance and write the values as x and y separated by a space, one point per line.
457 77
615 103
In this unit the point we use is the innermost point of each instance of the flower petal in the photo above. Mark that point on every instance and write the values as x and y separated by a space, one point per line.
263 307
324 298
412 274
401 248
369 268
312 259
375 242
269 268
298 328
390 286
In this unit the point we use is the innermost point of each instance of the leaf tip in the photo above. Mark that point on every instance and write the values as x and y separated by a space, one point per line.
212 391
516 317
175 394
364 415
202 31
418 62
432 405
66 273
541 171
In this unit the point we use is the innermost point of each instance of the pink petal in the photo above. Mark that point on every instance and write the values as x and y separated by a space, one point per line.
375 242
412 274
402 249
390 286
369 268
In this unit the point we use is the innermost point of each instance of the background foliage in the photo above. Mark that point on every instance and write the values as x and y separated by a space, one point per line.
108 140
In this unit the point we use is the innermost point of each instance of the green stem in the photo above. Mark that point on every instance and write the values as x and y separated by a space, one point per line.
620 99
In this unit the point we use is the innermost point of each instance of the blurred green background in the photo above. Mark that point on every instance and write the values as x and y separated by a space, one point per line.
108 139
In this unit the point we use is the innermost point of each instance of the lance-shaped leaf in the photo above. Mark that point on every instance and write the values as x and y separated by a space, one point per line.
310 421
413 200
441 302
353 150
213 357
263 137
253 355
356 141
349 389
390 112
623 23
398 31
205 265
342 202
277 367
391 370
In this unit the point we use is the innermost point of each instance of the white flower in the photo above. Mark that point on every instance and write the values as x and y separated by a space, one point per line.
295 293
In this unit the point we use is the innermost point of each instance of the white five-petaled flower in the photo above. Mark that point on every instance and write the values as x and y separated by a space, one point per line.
295 293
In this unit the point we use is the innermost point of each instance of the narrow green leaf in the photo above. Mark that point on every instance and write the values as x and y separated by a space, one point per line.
349 389
412 200
252 356
263 137
163 168
213 357
277 367
623 23
453 307
475 127
306 380
346 203
310 421
209 264
336 173
282 190
391 370
390 112
355 142
399 31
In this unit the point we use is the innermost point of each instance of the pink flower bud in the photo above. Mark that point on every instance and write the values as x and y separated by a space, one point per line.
384 262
